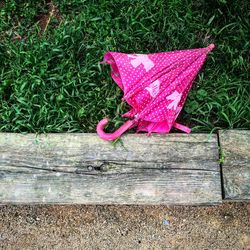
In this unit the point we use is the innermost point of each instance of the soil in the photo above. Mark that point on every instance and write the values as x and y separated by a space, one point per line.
2 3
125 227
45 19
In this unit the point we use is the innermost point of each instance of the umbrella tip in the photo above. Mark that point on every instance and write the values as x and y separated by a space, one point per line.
211 46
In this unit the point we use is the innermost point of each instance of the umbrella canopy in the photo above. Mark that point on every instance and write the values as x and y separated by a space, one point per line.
155 86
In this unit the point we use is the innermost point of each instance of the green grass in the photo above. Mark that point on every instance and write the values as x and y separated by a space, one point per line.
53 82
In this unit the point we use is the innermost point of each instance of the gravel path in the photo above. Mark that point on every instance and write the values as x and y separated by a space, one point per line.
125 227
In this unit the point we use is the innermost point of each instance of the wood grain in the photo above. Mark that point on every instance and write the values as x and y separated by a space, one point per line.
83 169
235 148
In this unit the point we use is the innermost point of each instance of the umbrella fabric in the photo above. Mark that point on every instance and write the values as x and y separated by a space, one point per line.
155 86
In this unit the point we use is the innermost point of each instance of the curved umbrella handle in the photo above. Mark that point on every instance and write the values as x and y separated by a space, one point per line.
112 136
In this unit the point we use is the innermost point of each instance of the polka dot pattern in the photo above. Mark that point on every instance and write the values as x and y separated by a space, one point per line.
156 109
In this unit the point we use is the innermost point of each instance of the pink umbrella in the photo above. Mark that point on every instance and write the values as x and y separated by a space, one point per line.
155 86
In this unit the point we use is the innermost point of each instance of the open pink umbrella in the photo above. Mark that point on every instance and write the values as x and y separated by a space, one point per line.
155 86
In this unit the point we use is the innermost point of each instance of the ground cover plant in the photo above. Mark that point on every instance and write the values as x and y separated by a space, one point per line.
50 79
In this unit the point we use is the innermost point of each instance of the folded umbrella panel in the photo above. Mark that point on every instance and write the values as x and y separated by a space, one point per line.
175 87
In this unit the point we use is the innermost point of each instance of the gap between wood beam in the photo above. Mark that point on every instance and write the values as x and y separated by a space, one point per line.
220 153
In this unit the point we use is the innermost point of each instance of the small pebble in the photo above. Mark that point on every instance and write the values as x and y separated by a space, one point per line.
166 222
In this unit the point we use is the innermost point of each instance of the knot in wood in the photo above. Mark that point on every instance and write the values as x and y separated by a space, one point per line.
90 168
104 167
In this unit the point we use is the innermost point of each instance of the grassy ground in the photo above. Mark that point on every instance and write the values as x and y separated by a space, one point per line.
50 79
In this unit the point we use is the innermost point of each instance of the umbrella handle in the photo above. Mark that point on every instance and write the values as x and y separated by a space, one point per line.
112 136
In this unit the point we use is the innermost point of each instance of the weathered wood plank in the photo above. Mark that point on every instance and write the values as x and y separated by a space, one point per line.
83 169
235 148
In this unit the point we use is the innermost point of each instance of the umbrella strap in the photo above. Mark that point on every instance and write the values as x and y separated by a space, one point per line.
182 127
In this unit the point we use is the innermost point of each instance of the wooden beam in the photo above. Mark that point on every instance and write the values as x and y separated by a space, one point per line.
83 169
235 157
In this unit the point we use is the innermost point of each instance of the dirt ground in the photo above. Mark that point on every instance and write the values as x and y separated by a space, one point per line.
125 227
